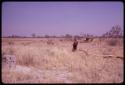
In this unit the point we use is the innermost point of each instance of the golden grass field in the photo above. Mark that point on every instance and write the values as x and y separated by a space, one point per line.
51 60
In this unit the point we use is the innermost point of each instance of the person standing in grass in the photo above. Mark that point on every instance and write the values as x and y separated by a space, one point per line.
75 44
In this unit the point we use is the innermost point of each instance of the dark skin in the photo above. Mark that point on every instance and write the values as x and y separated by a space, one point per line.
75 45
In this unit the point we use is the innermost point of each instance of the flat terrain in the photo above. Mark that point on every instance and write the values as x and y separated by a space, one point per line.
51 60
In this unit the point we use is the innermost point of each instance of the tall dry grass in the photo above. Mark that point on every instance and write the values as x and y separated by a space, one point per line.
87 64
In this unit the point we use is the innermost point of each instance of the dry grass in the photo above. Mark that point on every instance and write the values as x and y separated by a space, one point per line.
86 65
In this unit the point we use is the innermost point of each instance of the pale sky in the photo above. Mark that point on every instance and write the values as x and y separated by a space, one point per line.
60 18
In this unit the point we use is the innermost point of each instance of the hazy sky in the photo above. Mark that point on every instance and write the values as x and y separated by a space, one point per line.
60 18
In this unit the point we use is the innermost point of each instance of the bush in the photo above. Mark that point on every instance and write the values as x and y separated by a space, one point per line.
112 42
11 43
50 42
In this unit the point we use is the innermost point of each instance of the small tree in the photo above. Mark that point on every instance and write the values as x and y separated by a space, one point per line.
68 36
33 35
47 36
115 32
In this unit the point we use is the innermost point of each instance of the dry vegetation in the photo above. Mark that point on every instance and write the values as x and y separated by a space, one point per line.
52 61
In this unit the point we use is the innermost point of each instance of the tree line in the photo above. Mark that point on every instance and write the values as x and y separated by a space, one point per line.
114 32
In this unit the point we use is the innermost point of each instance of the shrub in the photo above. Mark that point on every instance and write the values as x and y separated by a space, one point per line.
11 43
50 42
112 42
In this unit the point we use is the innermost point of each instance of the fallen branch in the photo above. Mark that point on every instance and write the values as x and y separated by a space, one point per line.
119 57
112 56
